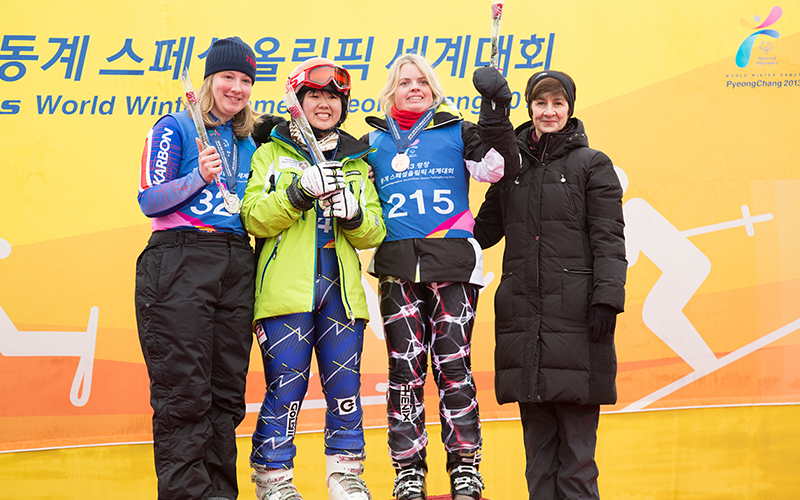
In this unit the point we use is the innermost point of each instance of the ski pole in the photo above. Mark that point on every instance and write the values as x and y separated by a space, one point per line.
230 200
497 16
294 108
299 118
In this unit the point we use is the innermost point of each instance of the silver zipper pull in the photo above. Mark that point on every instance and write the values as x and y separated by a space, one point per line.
563 179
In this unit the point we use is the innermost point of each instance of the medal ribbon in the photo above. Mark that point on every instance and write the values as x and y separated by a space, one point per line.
402 143
229 164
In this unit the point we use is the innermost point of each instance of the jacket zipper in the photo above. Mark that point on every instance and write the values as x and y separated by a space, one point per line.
317 257
568 195
269 260
579 271
544 148
534 396
417 276
350 313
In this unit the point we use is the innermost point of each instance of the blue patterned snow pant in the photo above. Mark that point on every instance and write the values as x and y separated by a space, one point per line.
288 342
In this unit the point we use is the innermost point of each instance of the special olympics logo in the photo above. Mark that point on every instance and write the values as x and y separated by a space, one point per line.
743 54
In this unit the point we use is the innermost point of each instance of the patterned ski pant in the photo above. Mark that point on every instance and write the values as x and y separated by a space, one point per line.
286 347
430 317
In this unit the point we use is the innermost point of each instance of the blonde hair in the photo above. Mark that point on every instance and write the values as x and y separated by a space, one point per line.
243 121
388 92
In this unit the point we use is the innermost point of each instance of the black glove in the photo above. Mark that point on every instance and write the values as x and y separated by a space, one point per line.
604 321
492 85
263 127
495 95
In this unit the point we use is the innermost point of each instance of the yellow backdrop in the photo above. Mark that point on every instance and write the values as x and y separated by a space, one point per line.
705 140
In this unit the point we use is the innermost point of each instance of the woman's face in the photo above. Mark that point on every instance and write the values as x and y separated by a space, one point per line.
413 92
322 109
550 113
231 91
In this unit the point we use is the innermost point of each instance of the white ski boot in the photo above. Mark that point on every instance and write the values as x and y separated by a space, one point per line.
344 478
274 484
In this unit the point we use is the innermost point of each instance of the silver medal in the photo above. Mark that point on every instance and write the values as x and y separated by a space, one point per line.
231 202
400 162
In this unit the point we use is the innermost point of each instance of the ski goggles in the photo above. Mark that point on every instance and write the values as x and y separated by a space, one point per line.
318 77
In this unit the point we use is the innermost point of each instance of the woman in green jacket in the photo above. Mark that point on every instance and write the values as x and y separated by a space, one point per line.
312 218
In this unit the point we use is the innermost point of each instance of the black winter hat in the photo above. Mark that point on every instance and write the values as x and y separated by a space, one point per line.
231 54
564 79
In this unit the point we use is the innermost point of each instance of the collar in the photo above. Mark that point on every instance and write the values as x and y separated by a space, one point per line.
406 119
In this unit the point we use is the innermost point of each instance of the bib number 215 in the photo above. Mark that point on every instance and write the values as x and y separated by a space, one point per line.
441 203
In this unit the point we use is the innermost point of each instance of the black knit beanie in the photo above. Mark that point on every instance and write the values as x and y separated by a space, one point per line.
565 81
231 54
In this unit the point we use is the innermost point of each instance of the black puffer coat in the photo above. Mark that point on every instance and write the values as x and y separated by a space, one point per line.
564 251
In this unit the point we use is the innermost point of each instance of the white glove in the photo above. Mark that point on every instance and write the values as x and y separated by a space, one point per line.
343 204
322 179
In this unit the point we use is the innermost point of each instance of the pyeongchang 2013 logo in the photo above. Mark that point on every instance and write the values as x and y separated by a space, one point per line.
746 48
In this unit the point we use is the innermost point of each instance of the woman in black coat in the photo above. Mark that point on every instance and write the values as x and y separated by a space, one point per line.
562 287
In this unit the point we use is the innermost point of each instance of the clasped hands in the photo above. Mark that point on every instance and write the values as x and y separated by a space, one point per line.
325 182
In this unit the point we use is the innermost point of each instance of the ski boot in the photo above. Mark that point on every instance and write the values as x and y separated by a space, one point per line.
344 478
274 484
410 482
466 482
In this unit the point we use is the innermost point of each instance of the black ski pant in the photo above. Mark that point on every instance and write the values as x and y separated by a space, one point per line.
194 309
560 439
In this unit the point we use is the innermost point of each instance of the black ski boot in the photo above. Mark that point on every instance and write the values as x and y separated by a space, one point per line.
465 480
410 482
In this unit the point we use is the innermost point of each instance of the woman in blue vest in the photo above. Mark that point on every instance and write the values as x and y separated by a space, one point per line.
430 268
194 281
